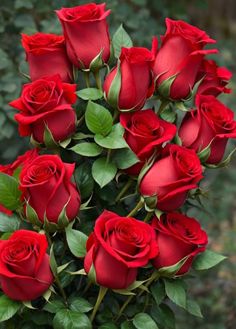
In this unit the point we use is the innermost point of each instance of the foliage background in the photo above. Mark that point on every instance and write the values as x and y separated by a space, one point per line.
215 290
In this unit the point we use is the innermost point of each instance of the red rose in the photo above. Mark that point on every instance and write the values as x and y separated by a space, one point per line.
46 55
214 79
117 248
212 120
24 266
171 177
145 133
137 82
47 187
10 169
46 103
181 54
86 33
178 236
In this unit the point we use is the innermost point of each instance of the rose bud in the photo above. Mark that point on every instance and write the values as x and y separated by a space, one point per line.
117 248
16 167
211 124
179 72
47 187
214 79
136 82
86 33
46 55
171 177
178 237
25 272
46 104
145 133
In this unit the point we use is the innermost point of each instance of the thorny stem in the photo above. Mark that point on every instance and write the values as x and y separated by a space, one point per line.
148 216
98 80
86 77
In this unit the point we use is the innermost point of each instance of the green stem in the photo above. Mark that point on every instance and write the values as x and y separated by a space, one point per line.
155 275
115 115
134 211
98 80
81 120
109 151
148 216
124 189
101 295
123 307
86 77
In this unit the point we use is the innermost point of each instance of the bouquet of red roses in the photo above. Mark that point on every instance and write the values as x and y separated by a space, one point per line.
95 230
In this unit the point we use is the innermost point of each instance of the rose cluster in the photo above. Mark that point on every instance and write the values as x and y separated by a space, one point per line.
144 91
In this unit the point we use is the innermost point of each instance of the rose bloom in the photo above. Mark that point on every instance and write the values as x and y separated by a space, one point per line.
86 33
145 133
43 103
178 236
46 55
117 248
11 168
215 79
181 54
137 82
212 122
169 179
25 272
46 185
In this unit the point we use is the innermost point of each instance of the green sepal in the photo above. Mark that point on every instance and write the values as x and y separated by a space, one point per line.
92 274
49 226
35 143
63 220
48 139
180 106
32 216
221 164
170 271
205 153
114 90
150 202
177 140
164 88
97 63
52 261
146 168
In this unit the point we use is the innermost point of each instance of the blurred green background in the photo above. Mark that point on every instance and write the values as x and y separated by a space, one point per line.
216 289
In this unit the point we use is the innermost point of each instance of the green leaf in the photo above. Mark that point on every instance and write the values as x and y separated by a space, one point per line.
176 292
158 292
54 306
76 241
87 149
124 158
80 304
67 319
53 263
8 308
9 192
90 94
144 321
193 308
103 172
114 140
84 180
80 136
206 260
127 325
9 223
121 39
98 119
109 325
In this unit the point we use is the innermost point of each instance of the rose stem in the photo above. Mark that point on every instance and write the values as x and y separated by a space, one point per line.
108 155
124 189
101 295
86 77
148 216
134 211
123 307
98 80
153 277
57 280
